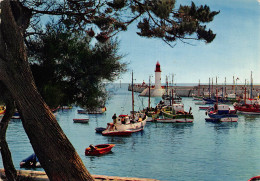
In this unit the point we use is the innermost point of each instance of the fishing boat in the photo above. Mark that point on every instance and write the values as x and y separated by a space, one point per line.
248 105
30 162
124 124
174 114
98 149
84 120
221 113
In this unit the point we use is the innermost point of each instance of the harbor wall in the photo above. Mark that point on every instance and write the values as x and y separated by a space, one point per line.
189 91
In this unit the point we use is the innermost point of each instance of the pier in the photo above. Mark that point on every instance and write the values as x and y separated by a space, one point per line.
189 91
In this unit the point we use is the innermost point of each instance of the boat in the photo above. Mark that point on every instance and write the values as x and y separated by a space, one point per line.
100 129
112 130
84 120
16 115
82 111
204 107
98 149
200 103
174 114
255 178
100 110
30 162
248 105
123 124
221 113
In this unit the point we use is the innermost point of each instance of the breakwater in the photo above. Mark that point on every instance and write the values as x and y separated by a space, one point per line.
189 91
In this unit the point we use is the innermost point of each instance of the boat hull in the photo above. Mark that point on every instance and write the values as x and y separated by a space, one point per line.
169 120
116 133
222 118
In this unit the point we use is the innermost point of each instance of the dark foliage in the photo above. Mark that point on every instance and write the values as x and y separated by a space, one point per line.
69 68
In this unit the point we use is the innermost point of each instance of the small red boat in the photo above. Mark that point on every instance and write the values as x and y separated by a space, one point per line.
98 149
254 178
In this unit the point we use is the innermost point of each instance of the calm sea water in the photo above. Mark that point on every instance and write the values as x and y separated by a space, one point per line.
198 151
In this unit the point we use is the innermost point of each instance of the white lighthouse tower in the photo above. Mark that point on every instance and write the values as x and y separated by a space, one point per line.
157 91
158 76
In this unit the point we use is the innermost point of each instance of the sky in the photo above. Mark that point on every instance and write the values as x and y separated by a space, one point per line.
234 52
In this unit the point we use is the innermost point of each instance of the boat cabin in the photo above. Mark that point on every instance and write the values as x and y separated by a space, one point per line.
123 119
178 107
223 109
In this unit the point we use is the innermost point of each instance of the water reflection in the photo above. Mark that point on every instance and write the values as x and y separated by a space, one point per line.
223 127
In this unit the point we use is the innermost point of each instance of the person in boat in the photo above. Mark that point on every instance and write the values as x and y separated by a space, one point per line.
123 120
140 119
92 147
114 118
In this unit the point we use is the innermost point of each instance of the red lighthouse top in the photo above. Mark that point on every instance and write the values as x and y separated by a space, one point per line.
158 67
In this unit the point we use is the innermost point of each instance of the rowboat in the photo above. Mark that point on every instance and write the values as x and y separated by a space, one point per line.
255 178
81 120
98 149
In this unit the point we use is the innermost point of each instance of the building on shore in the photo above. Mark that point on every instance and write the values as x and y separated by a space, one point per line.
156 90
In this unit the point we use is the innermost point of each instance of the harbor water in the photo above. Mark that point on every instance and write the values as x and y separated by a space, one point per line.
164 151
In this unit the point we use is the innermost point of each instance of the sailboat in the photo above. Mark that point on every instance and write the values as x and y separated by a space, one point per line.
125 124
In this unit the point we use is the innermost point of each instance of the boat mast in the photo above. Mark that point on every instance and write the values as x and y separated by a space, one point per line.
167 85
245 92
225 86
199 89
216 90
133 107
172 89
212 86
234 84
149 93
251 96
209 88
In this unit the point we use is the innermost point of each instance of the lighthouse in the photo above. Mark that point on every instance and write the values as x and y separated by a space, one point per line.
157 91
158 76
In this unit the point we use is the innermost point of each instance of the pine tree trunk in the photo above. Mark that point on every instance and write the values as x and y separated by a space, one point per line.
10 171
55 152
